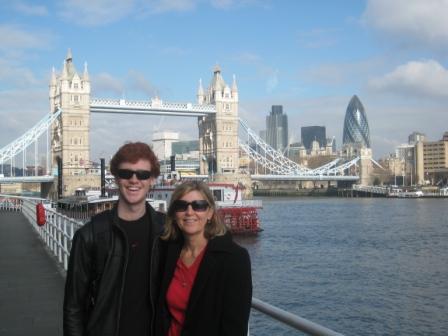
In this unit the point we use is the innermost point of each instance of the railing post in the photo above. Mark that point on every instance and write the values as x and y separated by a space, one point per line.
65 246
60 242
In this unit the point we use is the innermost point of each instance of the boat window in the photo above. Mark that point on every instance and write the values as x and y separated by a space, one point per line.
217 195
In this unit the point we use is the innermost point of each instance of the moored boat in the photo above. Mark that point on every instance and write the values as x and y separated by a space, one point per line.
239 215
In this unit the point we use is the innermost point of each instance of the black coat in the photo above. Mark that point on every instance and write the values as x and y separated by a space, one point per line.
80 318
221 296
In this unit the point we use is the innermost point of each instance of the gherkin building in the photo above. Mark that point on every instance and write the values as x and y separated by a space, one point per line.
356 126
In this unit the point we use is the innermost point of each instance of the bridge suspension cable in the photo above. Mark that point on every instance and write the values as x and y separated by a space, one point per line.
9 151
274 161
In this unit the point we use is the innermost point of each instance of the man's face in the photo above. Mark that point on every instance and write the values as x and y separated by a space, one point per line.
133 190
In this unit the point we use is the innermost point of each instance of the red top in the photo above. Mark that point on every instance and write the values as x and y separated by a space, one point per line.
179 292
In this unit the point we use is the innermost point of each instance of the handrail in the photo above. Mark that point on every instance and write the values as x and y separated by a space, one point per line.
292 320
58 233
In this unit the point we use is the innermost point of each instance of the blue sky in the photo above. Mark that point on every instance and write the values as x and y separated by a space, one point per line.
309 56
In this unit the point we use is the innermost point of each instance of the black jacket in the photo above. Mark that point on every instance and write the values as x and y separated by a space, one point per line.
220 299
82 317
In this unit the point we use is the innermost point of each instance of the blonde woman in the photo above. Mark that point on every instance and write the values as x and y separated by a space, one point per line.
206 283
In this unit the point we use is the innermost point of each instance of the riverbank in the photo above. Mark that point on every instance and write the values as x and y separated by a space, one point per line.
340 192
296 192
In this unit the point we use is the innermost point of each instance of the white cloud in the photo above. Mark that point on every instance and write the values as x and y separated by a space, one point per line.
103 12
422 78
161 6
228 4
20 110
106 83
28 9
222 3
318 38
337 74
272 81
95 13
14 37
410 20
140 83
266 73
247 57
175 51
13 74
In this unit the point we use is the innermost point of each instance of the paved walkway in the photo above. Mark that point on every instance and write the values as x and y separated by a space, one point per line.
31 285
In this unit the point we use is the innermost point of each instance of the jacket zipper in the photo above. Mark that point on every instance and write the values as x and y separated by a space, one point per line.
123 277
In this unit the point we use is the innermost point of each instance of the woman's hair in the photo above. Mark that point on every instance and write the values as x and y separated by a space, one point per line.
214 227
132 152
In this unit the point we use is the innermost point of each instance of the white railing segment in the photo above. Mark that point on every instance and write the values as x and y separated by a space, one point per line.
56 233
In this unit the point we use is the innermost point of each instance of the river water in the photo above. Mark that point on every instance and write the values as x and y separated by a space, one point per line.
359 266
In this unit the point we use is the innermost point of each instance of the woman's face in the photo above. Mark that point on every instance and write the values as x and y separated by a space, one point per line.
192 213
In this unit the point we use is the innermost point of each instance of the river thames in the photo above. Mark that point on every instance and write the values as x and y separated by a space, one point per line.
359 266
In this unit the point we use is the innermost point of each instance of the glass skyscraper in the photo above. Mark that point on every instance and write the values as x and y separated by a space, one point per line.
356 126
311 133
277 128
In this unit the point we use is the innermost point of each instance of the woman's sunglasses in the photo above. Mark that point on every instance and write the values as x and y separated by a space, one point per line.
181 206
140 174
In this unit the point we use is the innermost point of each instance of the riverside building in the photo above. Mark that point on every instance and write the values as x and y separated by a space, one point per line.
431 161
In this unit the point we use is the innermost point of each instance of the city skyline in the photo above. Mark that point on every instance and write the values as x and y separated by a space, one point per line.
309 57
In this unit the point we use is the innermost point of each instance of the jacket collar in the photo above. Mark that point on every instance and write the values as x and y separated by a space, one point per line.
216 244
220 243
151 214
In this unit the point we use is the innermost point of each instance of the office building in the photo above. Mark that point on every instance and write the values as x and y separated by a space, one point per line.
356 127
431 159
183 147
313 133
277 128
416 137
162 142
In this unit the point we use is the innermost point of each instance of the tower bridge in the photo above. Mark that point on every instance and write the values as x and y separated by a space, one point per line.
216 110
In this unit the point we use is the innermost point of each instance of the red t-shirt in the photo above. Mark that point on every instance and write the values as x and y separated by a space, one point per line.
179 292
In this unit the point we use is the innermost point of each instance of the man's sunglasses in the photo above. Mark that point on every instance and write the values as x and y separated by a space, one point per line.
181 206
140 174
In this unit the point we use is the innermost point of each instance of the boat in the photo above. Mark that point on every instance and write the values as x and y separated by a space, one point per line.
238 214
406 194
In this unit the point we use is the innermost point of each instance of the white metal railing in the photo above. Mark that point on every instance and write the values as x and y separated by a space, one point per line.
294 321
57 233
115 105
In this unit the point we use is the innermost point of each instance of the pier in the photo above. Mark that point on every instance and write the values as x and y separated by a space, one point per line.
33 263
31 285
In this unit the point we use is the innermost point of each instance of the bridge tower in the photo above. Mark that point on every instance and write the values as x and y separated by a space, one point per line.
70 134
218 134
365 167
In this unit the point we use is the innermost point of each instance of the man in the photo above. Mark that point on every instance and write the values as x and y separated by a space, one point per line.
108 289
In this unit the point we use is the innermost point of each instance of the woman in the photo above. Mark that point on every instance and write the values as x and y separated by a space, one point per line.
206 283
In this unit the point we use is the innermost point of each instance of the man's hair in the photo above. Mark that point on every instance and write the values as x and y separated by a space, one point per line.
214 227
132 152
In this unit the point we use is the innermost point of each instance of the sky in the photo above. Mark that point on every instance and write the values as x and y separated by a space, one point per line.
309 56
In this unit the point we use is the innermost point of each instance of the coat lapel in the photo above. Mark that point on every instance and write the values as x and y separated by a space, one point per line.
206 269
173 253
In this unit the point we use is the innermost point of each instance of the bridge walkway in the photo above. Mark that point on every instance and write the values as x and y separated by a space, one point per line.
31 284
